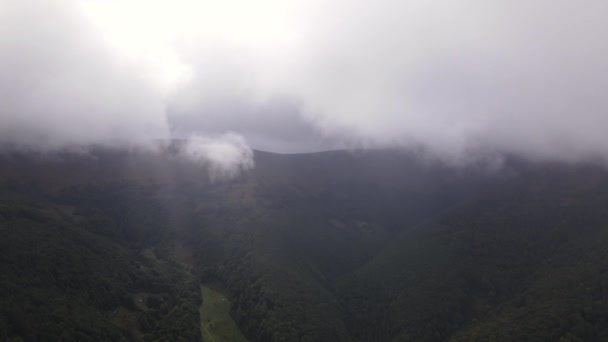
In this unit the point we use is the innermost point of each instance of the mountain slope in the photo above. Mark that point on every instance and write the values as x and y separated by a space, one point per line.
522 262
67 276
333 246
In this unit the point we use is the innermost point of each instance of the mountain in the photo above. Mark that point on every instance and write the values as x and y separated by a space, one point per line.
335 246
524 261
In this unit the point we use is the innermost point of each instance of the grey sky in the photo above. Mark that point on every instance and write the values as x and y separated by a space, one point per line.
453 77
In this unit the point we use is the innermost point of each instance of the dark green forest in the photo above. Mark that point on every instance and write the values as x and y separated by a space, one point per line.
333 246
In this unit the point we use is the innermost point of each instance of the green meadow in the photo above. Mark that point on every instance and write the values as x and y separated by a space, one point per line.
216 323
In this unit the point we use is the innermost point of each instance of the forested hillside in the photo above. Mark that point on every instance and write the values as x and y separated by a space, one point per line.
522 262
333 246
80 268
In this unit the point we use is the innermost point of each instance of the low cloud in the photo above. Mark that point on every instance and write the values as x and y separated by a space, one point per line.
455 79
225 156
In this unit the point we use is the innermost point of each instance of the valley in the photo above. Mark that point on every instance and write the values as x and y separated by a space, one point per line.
334 246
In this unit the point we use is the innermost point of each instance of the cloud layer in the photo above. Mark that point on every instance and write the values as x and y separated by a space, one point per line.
451 78
61 84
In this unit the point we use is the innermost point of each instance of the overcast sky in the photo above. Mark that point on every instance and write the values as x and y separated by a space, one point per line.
451 77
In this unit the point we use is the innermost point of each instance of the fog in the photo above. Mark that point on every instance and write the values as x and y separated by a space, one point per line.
454 79
225 155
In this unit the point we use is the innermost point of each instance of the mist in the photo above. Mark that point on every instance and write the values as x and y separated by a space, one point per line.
453 79
225 156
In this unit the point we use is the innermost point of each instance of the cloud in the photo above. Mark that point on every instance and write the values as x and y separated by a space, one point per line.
225 155
455 79
452 78
222 100
60 84
63 86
